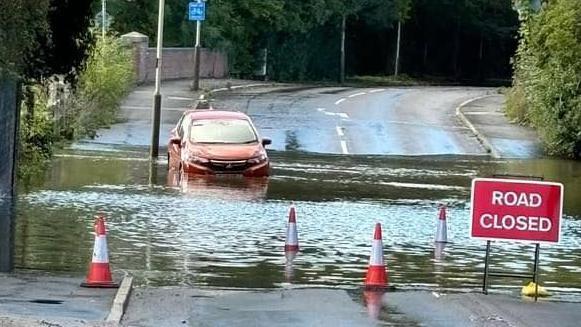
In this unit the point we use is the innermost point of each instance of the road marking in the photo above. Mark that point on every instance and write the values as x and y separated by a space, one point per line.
340 131
339 101
180 98
483 113
329 113
344 147
376 90
356 94
436 294
343 115
321 109
149 108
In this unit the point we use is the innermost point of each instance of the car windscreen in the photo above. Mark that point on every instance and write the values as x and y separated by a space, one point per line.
222 131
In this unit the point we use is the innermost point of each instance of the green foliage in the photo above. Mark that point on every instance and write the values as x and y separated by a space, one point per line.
36 132
107 77
21 23
549 70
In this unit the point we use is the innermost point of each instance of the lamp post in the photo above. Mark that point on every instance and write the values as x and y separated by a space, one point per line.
103 19
156 113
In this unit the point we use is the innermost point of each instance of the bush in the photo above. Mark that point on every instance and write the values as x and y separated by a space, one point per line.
516 105
106 79
36 132
549 70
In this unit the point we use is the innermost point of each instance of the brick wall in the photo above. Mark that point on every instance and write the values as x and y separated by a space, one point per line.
176 62
179 63
8 141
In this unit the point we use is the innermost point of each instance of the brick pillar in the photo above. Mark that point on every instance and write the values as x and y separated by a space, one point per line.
139 43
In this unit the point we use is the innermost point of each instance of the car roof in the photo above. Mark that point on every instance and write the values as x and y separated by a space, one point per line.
216 114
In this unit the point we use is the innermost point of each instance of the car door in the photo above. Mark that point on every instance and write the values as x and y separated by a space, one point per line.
175 148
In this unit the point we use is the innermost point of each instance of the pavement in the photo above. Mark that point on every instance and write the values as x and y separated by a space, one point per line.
502 139
38 299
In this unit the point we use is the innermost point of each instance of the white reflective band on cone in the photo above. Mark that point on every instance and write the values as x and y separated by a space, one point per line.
442 231
376 258
291 237
100 254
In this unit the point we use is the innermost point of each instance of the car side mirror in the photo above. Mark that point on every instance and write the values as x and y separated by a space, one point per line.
266 141
175 141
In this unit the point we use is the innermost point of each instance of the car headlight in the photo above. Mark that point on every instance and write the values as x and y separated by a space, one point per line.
256 160
198 160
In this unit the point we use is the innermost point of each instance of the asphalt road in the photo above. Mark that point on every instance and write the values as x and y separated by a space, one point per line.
336 120
377 121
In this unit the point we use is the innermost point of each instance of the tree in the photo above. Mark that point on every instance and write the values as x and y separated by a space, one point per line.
63 49
22 23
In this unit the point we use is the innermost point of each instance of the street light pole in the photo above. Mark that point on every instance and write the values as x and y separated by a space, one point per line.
196 85
156 113
103 19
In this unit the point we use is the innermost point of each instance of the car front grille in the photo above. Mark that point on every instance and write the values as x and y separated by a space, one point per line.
221 166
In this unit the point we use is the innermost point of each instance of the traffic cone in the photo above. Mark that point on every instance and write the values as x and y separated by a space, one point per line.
376 273
292 239
289 272
99 275
442 229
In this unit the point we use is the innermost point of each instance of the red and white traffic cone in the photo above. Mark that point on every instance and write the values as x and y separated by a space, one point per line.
292 239
376 278
99 275
442 229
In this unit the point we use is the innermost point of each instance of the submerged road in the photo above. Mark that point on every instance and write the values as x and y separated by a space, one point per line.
394 121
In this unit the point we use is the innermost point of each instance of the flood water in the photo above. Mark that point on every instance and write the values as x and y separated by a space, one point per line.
229 232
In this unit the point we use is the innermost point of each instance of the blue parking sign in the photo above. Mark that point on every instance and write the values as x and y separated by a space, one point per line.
197 11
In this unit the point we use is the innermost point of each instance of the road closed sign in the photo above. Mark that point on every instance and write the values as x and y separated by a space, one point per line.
516 210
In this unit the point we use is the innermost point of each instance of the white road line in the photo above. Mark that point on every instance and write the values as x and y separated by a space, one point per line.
344 147
321 109
436 294
356 94
340 131
483 113
329 113
339 101
376 90
343 115
149 108
180 98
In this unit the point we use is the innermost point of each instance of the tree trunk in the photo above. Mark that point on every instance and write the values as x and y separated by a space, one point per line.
456 49
425 61
480 56
396 69
342 60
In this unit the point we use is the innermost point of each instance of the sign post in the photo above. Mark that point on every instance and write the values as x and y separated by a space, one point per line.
515 210
197 12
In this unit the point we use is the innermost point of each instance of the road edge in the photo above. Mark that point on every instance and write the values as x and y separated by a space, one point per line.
120 301
480 136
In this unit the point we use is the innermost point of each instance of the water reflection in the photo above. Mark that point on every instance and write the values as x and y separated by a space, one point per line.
6 235
229 232
235 188
373 303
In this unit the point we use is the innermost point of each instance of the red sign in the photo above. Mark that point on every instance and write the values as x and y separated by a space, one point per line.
517 210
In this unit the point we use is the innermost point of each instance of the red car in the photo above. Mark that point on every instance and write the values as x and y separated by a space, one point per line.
209 142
